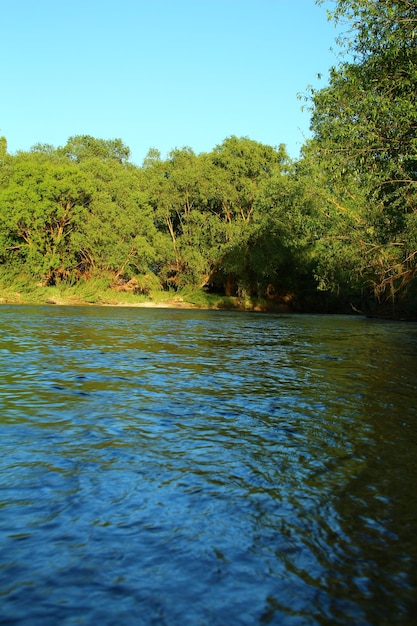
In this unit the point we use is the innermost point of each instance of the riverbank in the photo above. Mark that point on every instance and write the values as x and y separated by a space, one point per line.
88 295
20 289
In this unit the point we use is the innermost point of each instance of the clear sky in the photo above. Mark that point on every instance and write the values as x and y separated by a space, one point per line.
160 73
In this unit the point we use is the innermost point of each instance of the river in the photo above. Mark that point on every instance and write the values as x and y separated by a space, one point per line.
185 467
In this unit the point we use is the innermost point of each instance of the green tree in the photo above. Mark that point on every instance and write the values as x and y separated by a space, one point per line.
82 147
365 130
242 170
335 227
178 191
118 234
241 166
3 148
43 204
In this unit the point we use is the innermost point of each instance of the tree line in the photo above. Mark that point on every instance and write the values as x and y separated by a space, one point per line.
334 229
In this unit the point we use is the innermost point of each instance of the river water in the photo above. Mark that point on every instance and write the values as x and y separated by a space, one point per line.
178 467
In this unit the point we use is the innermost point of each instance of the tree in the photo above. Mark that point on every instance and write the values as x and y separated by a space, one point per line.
242 167
82 147
3 148
178 189
43 205
365 129
335 226
117 234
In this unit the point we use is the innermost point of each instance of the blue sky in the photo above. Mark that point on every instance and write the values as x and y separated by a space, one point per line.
160 73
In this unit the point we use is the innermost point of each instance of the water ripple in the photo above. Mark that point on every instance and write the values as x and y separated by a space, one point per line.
187 467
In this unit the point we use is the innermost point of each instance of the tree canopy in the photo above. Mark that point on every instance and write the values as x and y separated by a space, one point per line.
334 230
365 135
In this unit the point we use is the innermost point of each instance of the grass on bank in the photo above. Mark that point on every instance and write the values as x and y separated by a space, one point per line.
22 289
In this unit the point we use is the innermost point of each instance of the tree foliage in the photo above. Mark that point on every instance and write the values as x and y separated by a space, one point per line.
337 228
43 206
365 133
83 147
204 220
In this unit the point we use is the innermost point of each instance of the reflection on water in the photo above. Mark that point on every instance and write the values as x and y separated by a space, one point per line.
191 467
